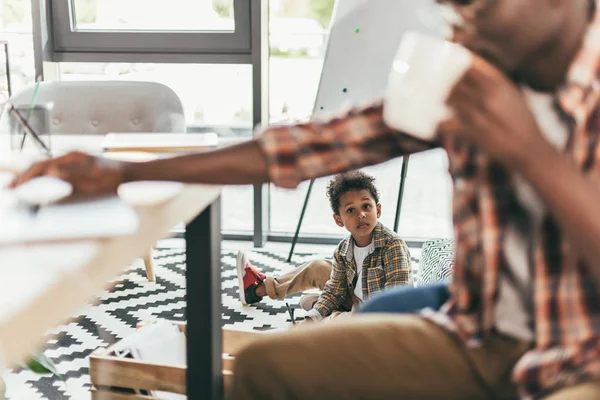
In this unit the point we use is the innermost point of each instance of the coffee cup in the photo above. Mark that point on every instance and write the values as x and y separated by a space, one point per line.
424 72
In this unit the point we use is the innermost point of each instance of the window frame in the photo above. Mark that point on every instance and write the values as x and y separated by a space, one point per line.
68 39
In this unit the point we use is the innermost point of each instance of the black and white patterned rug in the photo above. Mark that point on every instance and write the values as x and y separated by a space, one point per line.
132 299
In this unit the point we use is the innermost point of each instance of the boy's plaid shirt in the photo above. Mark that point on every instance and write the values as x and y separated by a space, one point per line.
388 265
566 298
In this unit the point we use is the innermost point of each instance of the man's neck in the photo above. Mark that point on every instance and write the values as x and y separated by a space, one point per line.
552 66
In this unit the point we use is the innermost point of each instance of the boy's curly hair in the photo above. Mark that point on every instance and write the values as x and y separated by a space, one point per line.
343 183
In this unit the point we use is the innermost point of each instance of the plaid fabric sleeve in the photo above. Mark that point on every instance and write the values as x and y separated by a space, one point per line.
396 262
334 293
355 139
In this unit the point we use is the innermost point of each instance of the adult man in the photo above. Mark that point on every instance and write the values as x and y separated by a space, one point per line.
524 298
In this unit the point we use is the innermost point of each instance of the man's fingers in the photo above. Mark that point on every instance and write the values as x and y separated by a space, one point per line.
466 89
451 126
34 171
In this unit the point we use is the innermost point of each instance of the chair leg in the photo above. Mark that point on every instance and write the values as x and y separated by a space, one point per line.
227 382
149 264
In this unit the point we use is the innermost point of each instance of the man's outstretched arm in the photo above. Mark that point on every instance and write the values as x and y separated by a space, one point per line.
284 155
239 164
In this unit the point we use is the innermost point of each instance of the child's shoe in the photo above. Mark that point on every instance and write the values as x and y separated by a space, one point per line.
307 301
248 279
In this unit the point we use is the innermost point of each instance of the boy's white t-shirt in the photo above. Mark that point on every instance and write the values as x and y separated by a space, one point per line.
360 253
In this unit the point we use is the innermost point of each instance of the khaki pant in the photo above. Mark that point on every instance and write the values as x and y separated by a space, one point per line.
380 357
311 275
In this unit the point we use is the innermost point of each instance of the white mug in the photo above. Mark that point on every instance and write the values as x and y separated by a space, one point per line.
424 73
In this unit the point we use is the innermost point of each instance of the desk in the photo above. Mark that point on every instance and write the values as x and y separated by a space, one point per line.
198 206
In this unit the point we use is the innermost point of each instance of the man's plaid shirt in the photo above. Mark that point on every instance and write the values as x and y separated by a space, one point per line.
388 265
566 299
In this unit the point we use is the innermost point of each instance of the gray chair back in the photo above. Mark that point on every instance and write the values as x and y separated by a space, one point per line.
100 107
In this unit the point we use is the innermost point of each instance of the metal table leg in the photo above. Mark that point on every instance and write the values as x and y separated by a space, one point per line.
203 305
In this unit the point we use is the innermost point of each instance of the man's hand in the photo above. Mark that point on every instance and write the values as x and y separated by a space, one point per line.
490 111
89 175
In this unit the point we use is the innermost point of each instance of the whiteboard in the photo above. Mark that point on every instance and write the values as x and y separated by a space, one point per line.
362 43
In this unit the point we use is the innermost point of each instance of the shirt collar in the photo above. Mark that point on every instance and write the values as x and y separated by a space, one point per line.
347 249
581 91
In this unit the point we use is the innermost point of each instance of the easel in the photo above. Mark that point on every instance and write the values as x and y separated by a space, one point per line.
355 71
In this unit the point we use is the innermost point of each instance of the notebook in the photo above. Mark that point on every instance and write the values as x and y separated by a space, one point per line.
159 142
159 343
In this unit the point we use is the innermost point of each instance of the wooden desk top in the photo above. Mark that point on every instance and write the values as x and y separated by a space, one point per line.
57 290
36 296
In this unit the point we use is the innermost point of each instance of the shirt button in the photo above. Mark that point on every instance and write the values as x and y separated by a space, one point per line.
56 121
135 121
94 123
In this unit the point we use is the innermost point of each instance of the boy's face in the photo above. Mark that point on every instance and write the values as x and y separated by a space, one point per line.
358 213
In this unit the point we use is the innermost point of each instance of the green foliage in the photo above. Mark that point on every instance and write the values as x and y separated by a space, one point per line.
85 11
224 8
40 364
13 11
291 53
322 11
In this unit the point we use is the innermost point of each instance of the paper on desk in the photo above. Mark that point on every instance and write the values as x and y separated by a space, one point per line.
159 141
101 218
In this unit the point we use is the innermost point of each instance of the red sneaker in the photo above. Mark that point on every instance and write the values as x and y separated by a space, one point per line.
248 279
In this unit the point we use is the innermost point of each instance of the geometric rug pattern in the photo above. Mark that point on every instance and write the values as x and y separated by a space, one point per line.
131 299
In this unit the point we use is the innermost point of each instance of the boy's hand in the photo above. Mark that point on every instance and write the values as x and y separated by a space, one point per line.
491 112
89 175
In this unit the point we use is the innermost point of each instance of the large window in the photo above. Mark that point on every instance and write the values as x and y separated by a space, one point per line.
298 32
205 51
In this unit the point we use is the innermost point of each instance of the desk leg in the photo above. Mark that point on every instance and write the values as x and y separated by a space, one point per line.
203 309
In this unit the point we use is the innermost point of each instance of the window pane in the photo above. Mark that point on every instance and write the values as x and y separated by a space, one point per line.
298 31
215 95
425 208
237 205
427 201
15 28
215 98
156 15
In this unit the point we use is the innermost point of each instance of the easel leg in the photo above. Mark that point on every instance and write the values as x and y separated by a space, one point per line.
295 239
403 174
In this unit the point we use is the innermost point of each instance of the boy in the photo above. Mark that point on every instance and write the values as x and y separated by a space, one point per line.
370 259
